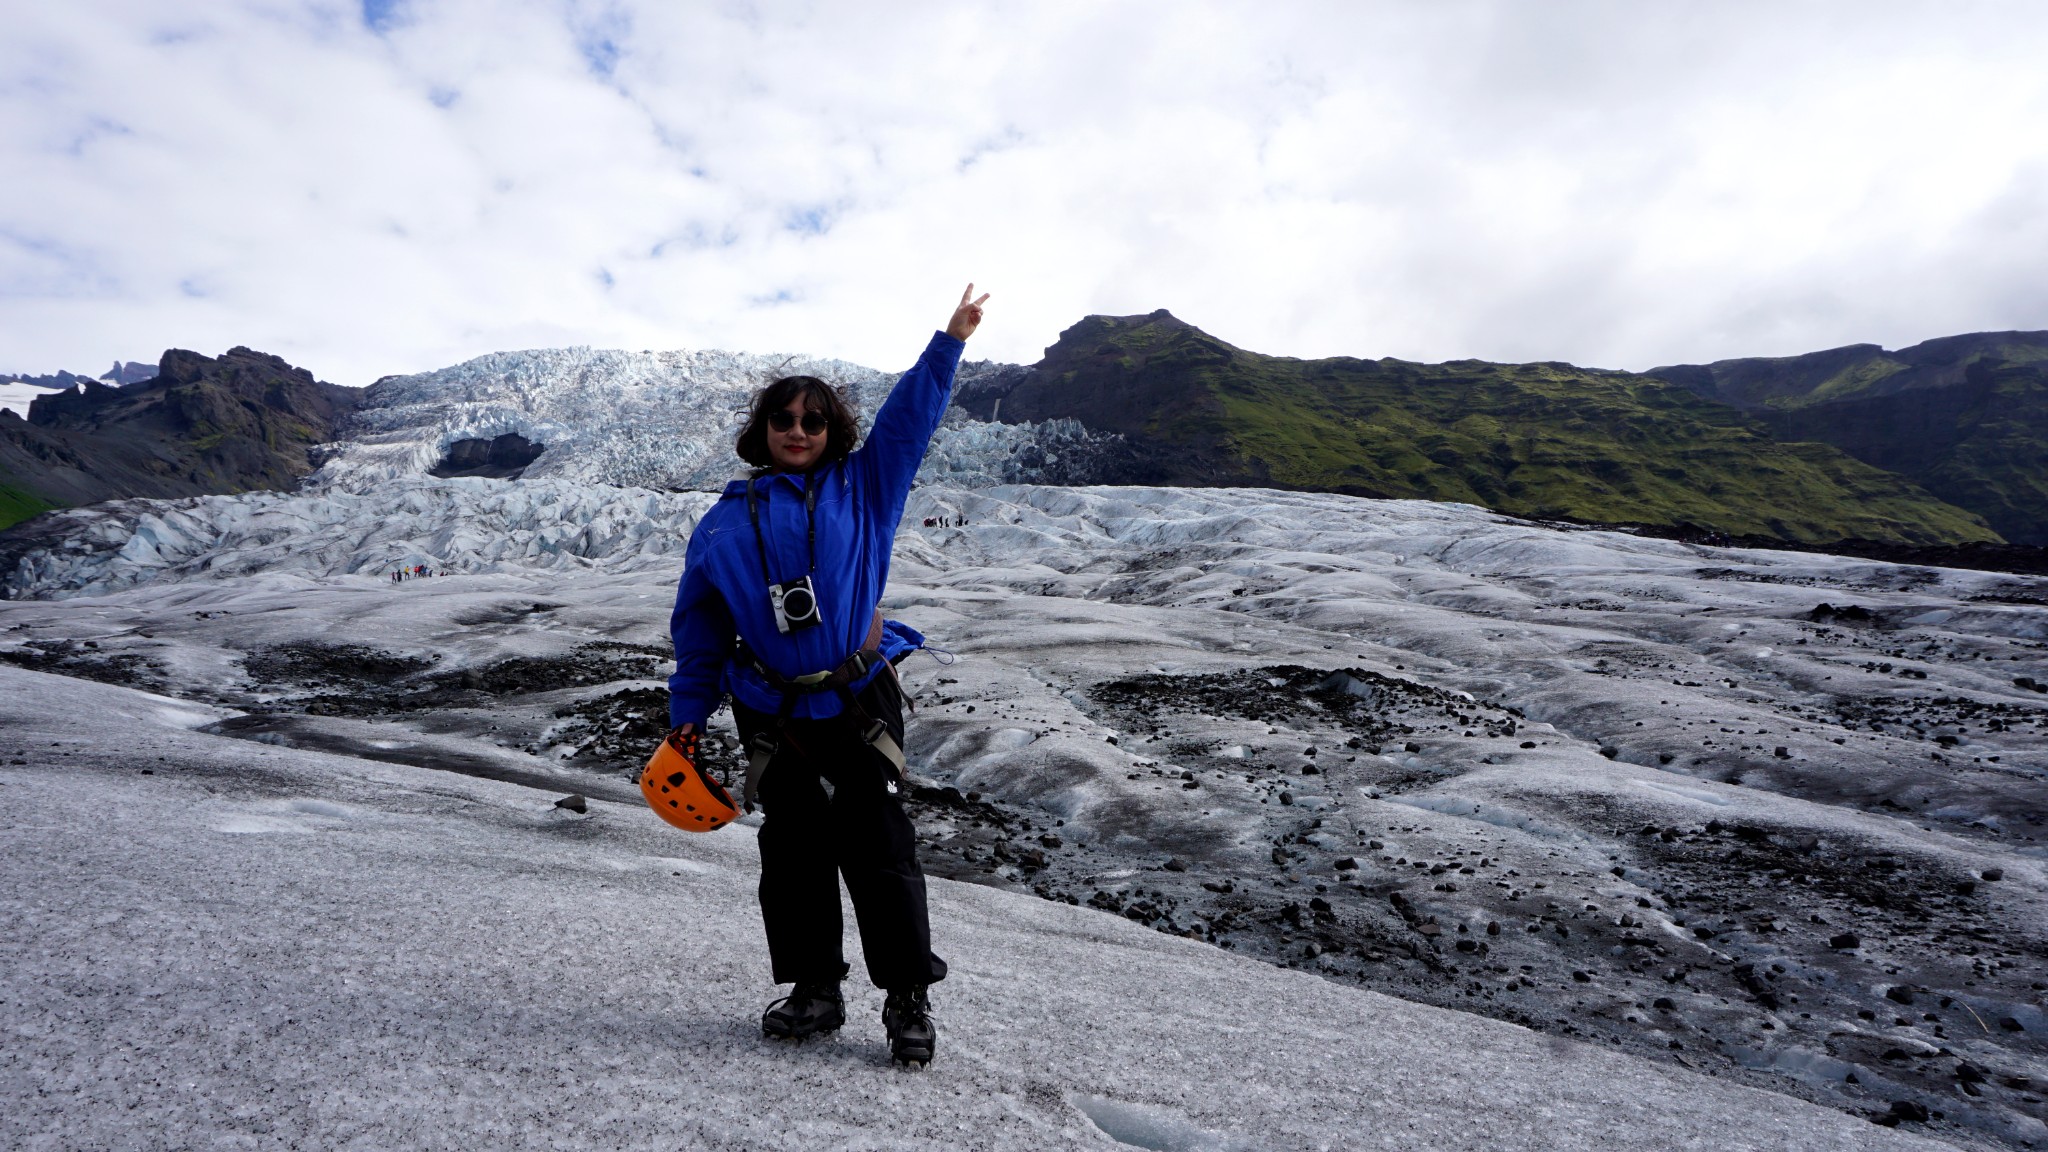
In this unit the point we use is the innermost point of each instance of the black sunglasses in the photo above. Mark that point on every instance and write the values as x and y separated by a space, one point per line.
782 420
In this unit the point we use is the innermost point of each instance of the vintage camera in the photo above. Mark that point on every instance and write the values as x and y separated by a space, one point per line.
796 605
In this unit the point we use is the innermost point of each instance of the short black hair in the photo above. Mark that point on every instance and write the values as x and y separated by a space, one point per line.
842 426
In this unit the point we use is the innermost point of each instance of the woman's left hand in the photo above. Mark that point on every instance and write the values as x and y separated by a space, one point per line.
967 317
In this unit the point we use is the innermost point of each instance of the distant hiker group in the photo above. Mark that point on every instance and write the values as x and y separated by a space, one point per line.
413 572
945 521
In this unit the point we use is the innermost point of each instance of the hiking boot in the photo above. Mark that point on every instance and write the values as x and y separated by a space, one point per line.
907 1015
810 1009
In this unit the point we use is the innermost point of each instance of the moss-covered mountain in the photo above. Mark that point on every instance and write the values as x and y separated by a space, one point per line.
201 425
1965 417
1543 440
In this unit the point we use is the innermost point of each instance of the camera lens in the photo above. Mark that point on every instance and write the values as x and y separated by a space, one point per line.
799 604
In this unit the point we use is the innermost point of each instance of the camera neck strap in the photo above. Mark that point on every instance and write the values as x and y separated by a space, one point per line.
810 524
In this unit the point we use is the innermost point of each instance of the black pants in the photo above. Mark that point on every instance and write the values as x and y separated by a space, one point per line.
826 813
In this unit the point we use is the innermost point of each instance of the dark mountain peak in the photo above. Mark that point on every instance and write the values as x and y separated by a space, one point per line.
235 364
1853 371
189 388
1758 381
1133 342
82 397
1948 350
199 424
1180 406
131 372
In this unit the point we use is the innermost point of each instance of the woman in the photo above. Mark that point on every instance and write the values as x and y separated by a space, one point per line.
778 609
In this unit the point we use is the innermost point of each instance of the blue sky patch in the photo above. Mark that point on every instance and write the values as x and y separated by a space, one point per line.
815 220
598 38
380 16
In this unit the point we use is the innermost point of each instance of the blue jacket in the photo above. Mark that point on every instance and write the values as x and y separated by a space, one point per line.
859 503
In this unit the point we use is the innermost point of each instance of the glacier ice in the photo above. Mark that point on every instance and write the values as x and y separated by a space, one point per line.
660 420
1634 667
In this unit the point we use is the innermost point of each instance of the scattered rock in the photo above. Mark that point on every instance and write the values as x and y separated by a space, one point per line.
574 802
1031 858
1909 1110
1899 994
1581 976
1347 864
1287 797
1051 841
1664 1004
1528 744
1493 927
1844 940
1993 874
1179 865
2010 1024
1411 746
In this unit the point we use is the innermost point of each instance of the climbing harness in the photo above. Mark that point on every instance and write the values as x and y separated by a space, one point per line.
872 731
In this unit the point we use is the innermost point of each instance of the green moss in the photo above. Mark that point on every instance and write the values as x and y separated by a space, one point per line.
1536 440
17 505
1999 463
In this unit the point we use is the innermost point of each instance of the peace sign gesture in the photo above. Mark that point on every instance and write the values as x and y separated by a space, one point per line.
967 317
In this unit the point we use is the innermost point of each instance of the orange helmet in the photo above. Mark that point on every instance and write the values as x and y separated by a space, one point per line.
682 793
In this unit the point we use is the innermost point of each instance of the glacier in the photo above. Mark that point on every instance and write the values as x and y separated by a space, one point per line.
1300 749
659 420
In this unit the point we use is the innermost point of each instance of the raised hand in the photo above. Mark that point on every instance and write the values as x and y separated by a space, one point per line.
967 317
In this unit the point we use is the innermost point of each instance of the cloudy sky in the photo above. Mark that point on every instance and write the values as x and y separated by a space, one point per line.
385 186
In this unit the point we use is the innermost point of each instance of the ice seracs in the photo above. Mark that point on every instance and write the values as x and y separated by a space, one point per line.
660 420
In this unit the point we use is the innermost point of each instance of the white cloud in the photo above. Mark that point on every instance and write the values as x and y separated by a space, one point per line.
1610 184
